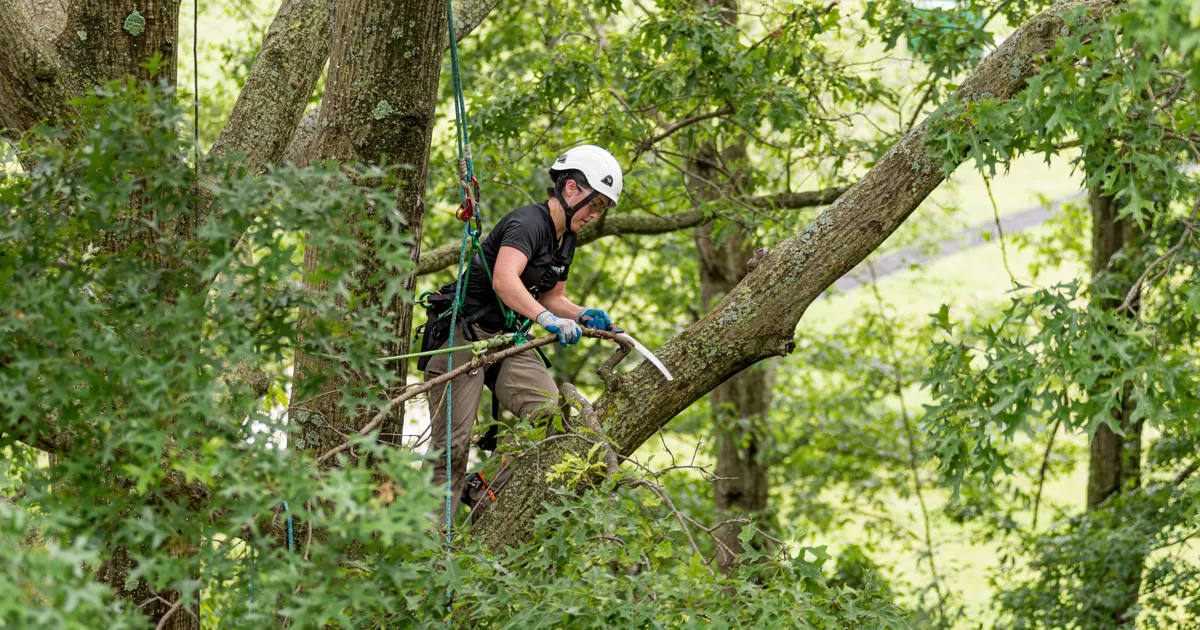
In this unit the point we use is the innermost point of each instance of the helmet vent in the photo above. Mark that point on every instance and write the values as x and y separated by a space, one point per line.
607 181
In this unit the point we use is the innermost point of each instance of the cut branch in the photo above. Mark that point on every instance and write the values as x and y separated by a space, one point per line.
476 364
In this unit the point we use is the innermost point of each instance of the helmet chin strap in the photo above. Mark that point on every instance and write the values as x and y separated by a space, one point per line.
570 211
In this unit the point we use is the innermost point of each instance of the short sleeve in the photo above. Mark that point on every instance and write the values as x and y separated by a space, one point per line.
522 233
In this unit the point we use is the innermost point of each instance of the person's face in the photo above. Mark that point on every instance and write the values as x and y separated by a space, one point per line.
573 194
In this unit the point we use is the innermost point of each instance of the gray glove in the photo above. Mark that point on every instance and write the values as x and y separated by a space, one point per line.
567 330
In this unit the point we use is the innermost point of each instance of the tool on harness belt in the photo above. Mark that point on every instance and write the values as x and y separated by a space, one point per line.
475 482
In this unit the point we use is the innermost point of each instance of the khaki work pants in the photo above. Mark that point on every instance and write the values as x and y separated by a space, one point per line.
524 387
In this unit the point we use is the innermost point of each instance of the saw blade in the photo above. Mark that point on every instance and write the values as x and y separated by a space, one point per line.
644 351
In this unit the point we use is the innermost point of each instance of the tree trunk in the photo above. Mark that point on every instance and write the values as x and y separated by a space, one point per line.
1115 460
34 83
369 115
107 40
758 318
47 17
740 405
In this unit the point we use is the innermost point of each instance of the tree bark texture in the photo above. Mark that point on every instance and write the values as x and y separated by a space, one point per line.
371 116
34 84
264 125
47 17
108 40
757 319
280 82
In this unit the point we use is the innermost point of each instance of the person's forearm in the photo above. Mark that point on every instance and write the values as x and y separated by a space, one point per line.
517 297
561 306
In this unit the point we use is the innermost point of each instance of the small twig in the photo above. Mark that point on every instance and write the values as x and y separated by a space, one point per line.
665 447
1037 498
987 182
671 506
1189 227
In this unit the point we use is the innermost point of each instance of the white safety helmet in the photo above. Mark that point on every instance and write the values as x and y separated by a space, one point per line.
601 169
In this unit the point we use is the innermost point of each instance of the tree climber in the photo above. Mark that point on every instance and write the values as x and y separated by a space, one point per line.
529 254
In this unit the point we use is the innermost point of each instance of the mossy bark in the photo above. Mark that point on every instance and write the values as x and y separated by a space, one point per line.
109 40
34 83
265 124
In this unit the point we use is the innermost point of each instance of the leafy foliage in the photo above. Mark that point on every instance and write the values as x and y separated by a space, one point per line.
130 322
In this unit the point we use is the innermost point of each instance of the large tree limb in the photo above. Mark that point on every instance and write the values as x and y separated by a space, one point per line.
795 200
758 318
47 16
34 84
442 257
265 122
280 83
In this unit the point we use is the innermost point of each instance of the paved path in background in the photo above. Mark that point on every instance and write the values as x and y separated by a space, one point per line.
969 237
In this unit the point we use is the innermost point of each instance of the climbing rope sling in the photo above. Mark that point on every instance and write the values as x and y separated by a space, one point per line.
469 213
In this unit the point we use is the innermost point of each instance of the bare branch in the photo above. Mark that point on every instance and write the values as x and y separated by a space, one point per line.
421 388
798 200
588 416
440 258
647 143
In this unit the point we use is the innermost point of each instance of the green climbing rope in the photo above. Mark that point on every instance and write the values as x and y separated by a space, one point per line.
469 210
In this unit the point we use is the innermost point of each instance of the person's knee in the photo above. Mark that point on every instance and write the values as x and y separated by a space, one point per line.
540 407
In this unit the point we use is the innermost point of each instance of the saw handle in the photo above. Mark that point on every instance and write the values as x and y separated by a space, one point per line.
612 328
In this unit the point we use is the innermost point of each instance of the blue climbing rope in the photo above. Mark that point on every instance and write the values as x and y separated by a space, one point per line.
291 542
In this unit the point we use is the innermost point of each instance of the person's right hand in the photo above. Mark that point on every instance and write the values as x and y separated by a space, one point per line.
567 330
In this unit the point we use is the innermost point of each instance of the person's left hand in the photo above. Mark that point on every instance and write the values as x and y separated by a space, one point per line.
594 318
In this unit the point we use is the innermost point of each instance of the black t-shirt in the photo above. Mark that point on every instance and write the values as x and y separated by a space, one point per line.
530 230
